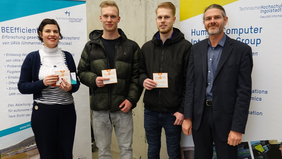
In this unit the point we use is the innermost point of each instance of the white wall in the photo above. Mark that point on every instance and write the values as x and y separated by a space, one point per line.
138 23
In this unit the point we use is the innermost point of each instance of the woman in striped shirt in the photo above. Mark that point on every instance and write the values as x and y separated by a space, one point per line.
53 117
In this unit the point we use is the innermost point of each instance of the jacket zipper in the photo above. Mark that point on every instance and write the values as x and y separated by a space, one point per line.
161 70
110 93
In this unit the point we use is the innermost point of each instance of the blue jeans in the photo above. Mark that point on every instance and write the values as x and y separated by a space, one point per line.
153 124
103 124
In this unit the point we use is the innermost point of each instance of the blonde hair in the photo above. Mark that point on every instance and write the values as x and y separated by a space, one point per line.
109 4
167 5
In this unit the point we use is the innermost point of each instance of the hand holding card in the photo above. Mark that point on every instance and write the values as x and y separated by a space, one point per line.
161 79
63 74
111 74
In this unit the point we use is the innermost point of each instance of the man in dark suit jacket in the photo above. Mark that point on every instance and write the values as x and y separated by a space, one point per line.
218 90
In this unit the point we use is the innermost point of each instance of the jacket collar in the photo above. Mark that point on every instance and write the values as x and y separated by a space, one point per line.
176 37
95 36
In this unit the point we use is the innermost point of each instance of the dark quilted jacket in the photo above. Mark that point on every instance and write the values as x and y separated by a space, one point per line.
94 60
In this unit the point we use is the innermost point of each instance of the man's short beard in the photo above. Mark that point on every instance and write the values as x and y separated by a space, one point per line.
214 32
165 31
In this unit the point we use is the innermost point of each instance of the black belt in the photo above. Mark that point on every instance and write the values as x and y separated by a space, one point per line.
208 103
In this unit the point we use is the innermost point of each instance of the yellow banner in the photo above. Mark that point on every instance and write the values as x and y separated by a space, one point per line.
191 8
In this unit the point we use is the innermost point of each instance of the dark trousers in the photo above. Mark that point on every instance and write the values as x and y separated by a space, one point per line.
206 135
54 129
153 124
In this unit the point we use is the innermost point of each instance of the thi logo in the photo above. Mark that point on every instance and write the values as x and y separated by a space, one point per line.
67 13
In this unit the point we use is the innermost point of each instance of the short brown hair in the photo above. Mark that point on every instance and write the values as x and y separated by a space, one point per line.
109 4
167 5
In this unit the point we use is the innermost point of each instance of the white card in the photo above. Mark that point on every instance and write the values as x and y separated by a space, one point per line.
111 74
161 79
65 74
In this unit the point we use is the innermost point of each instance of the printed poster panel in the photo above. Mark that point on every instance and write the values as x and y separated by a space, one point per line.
257 23
18 23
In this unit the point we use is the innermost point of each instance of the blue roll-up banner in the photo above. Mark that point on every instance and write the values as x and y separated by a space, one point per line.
19 20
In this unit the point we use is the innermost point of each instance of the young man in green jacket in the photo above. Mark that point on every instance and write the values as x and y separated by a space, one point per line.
109 67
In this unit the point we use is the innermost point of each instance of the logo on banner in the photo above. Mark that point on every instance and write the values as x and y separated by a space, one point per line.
67 13
69 18
267 10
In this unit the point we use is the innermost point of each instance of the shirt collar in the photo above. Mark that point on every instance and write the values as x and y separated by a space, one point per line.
221 42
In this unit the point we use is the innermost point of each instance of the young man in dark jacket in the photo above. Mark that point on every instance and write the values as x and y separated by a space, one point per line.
164 62
113 98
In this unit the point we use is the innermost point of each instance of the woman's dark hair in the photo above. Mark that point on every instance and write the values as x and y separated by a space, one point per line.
45 22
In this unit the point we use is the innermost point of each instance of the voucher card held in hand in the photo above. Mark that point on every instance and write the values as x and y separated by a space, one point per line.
65 74
161 79
111 74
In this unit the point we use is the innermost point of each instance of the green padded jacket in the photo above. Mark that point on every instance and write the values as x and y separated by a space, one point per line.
126 61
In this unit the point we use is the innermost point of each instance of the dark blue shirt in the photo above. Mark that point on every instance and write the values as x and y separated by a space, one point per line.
214 54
